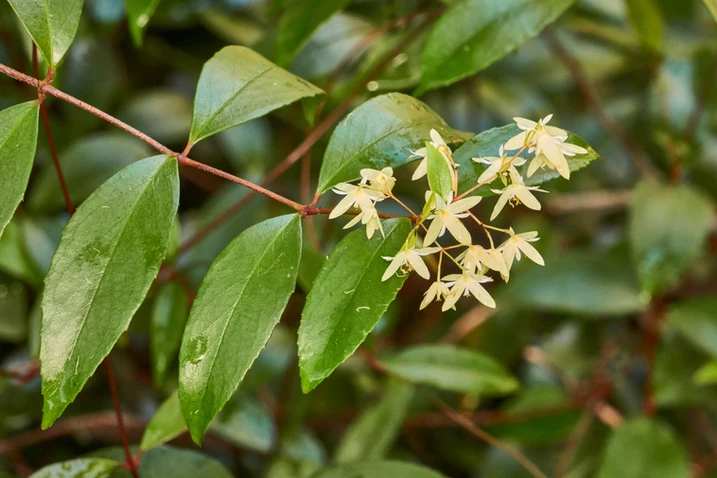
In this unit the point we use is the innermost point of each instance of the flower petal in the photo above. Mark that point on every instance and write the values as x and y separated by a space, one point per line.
502 200
516 142
481 294
434 231
397 262
527 198
457 229
531 252
418 265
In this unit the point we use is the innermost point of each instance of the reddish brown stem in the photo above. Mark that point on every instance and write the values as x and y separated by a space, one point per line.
131 463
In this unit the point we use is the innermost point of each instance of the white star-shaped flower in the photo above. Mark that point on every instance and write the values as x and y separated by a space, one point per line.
381 181
495 164
520 243
437 291
517 190
541 160
369 218
476 256
439 143
413 258
465 284
359 196
447 215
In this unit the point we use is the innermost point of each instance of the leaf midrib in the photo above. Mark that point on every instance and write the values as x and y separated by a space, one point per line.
111 256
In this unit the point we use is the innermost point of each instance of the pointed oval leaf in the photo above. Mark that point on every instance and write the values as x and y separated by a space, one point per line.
169 314
454 369
18 142
52 24
644 447
474 34
668 227
378 469
647 20
298 22
440 173
109 254
238 85
487 144
166 424
347 300
372 435
238 305
166 461
79 468
382 132
139 12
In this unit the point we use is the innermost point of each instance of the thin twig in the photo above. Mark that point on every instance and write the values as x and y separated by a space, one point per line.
130 461
481 434
593 102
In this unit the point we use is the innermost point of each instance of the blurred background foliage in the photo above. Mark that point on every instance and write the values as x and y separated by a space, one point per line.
614 341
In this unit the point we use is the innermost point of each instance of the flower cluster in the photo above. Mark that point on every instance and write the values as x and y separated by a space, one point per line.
448 212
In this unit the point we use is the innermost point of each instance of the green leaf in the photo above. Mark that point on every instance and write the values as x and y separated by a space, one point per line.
712 7
166 424
474 34
706 375
167 462
696 321
18 141
247 424
644 447
453 369
238 85
583 283
440 173
169 314
382 132
79 468
238 305
139 12
109 254
298 22
378 469
668 227
488 143
372 435
647 20
86 164
347 300
52 24
676 363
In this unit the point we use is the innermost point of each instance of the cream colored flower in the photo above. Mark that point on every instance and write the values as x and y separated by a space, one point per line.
356 196
520 243
476 256
447 215
546 140
381 181
369 218
518 192
465 284
495 164
438 291
412 258
438 143
542 160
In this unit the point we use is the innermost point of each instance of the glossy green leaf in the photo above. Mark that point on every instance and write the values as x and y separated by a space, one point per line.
298 21
109 254
474 34
647 20
581 283
79 468
15 259
52 24
487 144
247 424
382 132
712 7
165 462
169 314
238 85
139 12
454 369
697 322
18 141
439 171
166 424
378 469
238 305
644 447
668 227
86 164
347 300
372 435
